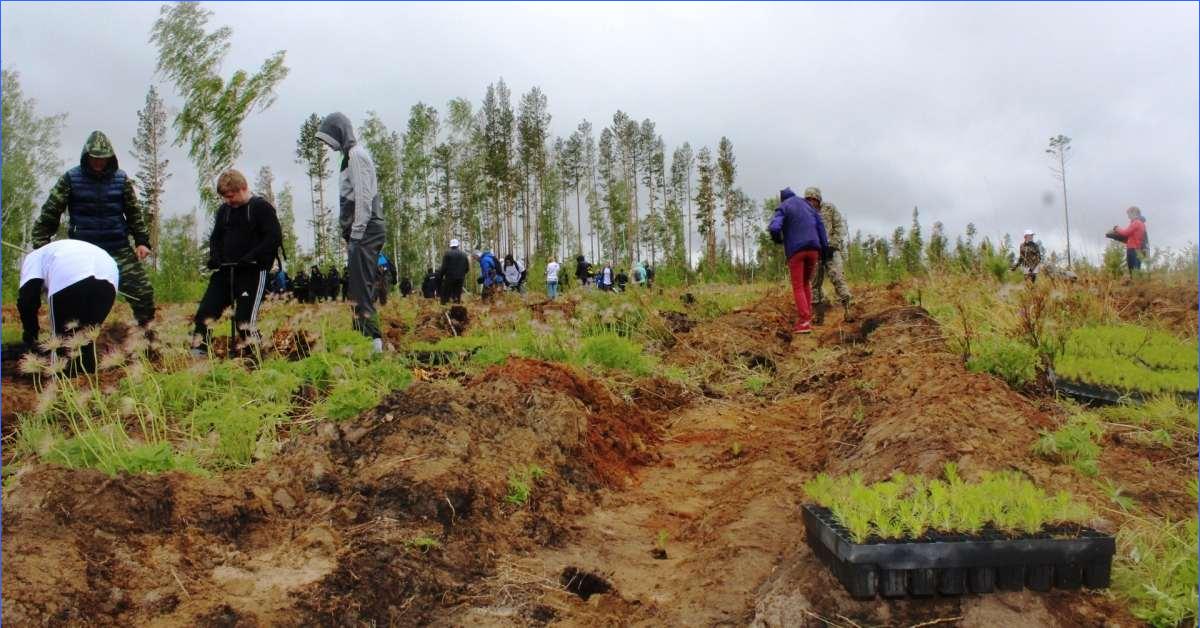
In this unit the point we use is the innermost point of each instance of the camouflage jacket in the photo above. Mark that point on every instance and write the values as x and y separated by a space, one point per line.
1030 255
835 227
46 225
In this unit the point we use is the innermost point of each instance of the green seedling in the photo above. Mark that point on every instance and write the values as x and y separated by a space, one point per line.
908 507
423 543
735 449
520 483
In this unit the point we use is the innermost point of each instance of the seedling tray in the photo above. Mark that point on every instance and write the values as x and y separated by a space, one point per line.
954 564
1090 393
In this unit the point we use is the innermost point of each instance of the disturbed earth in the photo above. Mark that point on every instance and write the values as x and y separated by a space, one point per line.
653 504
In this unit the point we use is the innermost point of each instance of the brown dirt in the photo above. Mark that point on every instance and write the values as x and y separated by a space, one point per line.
320 534
563 308
1173 305
434 324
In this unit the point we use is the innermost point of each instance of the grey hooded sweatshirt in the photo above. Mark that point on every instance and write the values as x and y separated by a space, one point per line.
357 186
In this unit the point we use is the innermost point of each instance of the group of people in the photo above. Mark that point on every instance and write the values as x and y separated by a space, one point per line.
314 286
82 273
607 280
813 235
108 240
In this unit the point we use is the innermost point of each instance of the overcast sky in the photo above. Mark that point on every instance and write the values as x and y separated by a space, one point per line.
887 106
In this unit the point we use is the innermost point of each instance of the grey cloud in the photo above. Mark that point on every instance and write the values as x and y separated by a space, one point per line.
944 106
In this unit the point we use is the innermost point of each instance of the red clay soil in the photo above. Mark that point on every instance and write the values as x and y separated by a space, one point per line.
324 532
619 436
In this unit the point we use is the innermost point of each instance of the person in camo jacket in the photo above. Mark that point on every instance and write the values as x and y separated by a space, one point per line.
103 209
835 229
1029 258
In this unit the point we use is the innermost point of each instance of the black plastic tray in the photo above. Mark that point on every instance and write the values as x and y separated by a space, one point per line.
958 564
1098 394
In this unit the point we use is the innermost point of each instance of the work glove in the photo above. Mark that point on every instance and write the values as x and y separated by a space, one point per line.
826 254
777 237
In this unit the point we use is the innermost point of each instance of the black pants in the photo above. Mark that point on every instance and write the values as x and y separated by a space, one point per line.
248 285
451 290
83 304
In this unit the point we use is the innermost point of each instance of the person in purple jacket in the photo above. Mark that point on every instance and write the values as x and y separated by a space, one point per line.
797 225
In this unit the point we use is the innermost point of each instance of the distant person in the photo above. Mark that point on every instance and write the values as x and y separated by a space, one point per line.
1029 257
835 230
300 287
361 221
649 276
1137 243
279 282
317 285
102 207
450 276
333 283
80 280
552 278
345 286
583 270
429 285
514 274
244 243
605 280
797 225
639 275
490 276
406 287
622 280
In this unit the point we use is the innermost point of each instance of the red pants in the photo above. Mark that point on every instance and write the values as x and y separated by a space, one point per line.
802 265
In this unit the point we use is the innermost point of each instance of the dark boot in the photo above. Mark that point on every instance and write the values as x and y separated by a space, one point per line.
819 309
846 315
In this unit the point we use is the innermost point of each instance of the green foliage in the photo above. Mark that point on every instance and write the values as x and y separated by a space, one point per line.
1013 361
214 108
1155 571
906 507
219 413
423 543
30 147
1075 443
1167 413
520 483
348 399
611 351
1129 358
177 278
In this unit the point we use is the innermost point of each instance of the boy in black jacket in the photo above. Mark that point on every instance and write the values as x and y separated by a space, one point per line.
243 246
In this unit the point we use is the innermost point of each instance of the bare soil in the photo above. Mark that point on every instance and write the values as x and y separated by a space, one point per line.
659 506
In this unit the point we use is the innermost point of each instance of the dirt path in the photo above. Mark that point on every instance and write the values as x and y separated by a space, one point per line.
727 520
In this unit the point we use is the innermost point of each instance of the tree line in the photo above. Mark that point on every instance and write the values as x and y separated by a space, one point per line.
491 174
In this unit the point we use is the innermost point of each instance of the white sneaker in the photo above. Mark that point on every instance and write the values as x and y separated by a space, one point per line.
377 345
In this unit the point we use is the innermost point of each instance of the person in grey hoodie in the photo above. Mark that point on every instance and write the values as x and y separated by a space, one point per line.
361 221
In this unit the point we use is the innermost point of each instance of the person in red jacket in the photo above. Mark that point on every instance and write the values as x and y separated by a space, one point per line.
1134 237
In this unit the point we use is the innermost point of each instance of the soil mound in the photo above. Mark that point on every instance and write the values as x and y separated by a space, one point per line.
437 323
902 401
383 519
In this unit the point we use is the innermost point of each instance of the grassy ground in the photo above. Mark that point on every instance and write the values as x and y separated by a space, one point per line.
211 416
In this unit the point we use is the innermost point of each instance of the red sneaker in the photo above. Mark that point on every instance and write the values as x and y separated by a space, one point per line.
804 328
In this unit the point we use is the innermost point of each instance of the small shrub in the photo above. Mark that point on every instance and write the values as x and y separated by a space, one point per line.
423 543
520 483
348 399
1013 361
1075 443
615 352
1155 571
